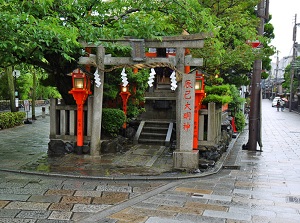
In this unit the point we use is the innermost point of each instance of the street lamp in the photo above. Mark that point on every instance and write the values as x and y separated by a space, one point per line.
80 91
199 95
16 74
125 95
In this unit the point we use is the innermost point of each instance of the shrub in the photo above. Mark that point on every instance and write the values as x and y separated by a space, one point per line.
218 94
237 101
217 99
112 120
11 119
218 89
240 121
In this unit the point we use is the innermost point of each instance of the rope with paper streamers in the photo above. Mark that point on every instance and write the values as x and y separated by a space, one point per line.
143 66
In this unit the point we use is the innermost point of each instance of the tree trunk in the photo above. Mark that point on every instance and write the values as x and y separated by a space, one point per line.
33 94
11 88
64 85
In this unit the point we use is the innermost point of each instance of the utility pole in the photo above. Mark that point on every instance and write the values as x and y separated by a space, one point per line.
254 116
293 64
276 74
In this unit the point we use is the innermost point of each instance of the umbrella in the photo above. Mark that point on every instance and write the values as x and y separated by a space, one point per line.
284 99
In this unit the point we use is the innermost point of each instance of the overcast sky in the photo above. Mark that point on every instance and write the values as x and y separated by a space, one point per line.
283 18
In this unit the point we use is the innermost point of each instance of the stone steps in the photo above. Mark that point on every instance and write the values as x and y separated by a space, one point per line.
154 132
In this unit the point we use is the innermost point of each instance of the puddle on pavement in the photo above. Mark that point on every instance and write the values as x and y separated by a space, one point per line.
132 163
89 166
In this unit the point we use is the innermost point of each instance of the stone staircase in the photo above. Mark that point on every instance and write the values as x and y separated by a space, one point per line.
156 132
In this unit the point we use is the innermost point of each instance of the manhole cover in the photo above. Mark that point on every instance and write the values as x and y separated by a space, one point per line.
291 199
231 167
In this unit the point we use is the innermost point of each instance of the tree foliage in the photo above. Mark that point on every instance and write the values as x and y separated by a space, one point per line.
287 77
48 33
228 55
24 84
218 93
237 101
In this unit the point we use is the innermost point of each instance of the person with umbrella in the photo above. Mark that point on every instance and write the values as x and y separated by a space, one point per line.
278 104
282 103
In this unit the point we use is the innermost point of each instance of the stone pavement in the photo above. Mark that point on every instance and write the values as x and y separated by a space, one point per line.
251 186
24 149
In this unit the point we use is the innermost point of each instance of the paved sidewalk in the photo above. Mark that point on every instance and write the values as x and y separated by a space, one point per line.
25 143
254 187
24 149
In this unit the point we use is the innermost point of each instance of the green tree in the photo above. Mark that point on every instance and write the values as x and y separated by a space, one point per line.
217 91
48 33
4 92
26 86
11 88
287 77
228 54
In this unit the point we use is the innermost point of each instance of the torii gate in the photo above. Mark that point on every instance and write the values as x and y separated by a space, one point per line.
184 156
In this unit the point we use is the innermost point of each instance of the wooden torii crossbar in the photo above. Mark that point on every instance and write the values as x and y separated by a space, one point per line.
184 156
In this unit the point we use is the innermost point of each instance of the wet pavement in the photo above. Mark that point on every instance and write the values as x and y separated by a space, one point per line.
24 149
251 186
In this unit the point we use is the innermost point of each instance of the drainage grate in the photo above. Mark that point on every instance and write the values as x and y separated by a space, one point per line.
291 199
294 132
197 195
232 167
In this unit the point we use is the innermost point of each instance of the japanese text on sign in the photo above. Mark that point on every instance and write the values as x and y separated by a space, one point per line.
187 114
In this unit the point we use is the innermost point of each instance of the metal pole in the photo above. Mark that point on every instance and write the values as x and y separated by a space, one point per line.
16 91
293 62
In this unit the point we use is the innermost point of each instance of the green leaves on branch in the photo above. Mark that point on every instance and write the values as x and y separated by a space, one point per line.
48 33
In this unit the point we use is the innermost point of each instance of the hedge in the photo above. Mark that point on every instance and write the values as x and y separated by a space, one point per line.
11 119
